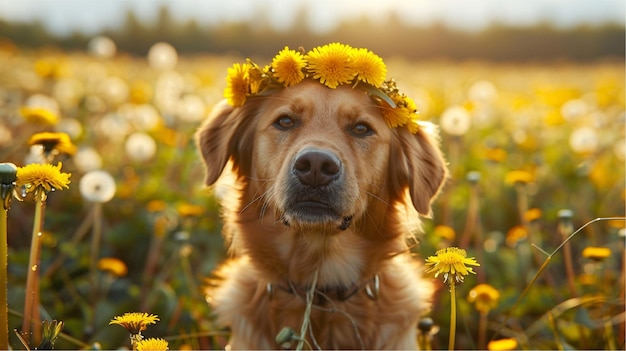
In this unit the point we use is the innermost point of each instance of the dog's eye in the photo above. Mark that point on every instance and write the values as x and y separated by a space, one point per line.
284 123
362 130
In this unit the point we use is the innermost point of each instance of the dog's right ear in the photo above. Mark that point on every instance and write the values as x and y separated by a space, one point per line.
220 138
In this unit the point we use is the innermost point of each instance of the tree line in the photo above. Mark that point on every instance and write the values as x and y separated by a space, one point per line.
390 37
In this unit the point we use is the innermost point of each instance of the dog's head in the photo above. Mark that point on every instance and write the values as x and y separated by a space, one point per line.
320 158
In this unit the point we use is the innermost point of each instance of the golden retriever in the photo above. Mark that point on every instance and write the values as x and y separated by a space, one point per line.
321 196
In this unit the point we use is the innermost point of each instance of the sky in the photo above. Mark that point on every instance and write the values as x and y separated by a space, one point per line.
91 16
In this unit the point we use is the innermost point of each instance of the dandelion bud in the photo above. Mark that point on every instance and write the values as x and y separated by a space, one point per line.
473 177
425 325
50 333
8 175
285 337
565 215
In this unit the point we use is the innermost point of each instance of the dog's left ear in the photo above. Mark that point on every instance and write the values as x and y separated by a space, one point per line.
222 137
417 163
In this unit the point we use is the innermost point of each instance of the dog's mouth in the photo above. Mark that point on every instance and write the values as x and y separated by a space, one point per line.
312 212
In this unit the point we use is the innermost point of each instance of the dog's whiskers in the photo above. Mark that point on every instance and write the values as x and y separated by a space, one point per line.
374 196
256 198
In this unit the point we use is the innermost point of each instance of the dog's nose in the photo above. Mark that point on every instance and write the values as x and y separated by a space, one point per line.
316 167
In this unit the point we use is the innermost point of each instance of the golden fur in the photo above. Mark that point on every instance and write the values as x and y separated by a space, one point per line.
320 188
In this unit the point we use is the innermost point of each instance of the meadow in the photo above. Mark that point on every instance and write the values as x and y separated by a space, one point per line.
536 152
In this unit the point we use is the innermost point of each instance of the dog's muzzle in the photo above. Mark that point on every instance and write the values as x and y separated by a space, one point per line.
315 191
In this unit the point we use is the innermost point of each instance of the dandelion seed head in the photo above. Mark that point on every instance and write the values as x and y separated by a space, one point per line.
97 186
455 120
483 91
140 146
69 126
113 126
584 140
162 56
114 90
101 46
191 108
574 109
87 159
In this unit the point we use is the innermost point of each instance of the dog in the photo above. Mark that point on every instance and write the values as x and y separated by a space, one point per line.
322 200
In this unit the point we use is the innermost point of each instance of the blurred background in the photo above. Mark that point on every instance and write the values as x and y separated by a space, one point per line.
530 100
479 29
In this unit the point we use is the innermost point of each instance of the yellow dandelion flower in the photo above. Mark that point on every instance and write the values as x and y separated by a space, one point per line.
516 234
237 85
587 279
394 117
189 210
288 67
445 232
518 177
532 214
39 115
484 297
451 261
502 344
254 77
135 322
141 92
156 206
53 143
152 344
596 253
496 154
113 265
331 64
413 125
36 177
368 66
403 114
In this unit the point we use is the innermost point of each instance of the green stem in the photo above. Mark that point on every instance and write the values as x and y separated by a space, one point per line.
93 264
4 305
544 266
31 302
95 246
307 312
452 314
482 331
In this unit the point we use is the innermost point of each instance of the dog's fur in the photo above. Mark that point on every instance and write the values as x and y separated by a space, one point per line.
321 190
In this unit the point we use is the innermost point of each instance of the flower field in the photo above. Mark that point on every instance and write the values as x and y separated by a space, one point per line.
536 152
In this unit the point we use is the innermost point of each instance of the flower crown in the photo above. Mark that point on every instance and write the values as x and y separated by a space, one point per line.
332 65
